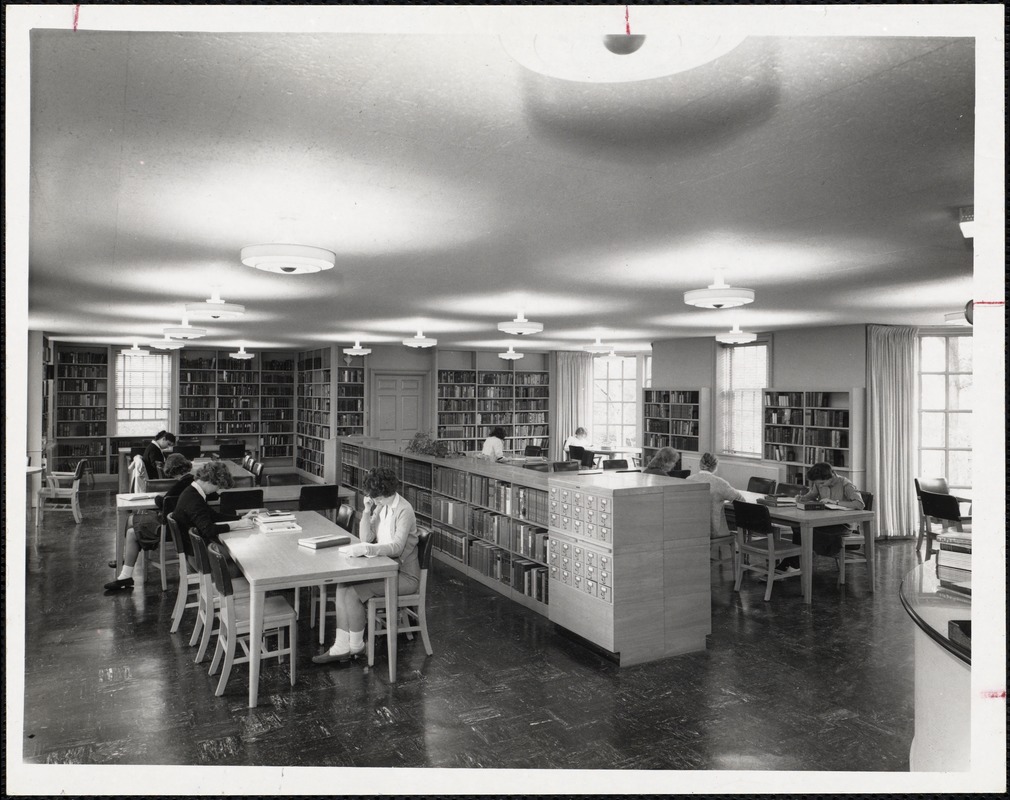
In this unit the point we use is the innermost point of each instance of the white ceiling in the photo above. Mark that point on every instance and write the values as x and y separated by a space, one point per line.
456 187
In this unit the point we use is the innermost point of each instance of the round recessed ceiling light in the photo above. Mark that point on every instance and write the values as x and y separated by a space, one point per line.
288 259
420 341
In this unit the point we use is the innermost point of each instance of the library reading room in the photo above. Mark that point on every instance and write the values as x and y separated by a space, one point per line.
504 399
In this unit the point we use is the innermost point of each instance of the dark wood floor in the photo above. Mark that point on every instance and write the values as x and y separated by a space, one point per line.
782 686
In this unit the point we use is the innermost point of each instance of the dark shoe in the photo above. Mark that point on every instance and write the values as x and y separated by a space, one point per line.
113 565
119 583
327 657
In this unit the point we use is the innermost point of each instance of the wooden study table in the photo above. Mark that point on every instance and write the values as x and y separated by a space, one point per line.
243 477
272 561
130 502
806 521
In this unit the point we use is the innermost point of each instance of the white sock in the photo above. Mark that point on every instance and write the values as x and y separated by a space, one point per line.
340 644
127 572
357 639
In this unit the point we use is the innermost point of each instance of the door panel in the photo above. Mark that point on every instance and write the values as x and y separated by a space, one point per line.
399 406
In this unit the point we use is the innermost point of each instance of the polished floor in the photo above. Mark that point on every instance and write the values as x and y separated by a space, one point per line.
781 686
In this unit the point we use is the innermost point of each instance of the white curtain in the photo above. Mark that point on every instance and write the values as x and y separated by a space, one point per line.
890 428
572 379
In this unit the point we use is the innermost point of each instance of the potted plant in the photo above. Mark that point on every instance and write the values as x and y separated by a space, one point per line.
424 445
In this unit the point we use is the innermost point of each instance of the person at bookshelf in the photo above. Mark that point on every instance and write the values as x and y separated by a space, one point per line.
579 439
828 487
154 453
145 532
666 458
719 490
387 528
494 445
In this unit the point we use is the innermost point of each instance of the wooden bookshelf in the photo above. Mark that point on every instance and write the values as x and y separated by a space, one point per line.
621 559
676 418
351 398
277 407
804 427
314 427
82 403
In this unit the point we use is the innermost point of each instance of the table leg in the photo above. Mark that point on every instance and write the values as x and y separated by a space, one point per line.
392 618
257 599
869 544
807 561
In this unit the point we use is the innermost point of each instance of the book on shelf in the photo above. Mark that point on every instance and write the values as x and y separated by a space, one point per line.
326 540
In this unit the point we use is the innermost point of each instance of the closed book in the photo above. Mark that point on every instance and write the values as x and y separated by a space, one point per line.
951 558
952 577
273 516
772 500
326 540
810 505
279 527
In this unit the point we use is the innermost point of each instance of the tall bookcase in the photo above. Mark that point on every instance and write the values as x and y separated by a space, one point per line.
351 398
621 559
82 407
224 398
315 387
676 418
474 396
803 427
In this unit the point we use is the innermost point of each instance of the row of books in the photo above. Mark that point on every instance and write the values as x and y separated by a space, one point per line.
530 578
489 560
953 561
532 504
491 493
451 512
417 473
666 396
530 540
490 526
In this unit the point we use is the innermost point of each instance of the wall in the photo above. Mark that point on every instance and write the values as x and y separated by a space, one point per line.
820 358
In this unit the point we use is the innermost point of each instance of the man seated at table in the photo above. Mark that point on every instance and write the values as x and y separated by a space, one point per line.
145 532
828 487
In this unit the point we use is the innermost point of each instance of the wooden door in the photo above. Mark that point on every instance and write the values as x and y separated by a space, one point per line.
399 406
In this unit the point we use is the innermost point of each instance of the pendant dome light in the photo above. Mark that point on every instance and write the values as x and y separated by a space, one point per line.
520 326
719 295
166 344
510 354
736 336
241 354
214 308
597 347
420 341
185 330
288 259
357 350
136 350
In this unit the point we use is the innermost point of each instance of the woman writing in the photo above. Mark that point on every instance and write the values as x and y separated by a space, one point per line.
193 511
387 528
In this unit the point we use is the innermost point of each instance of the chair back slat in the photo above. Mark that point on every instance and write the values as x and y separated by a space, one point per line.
679 473
319 497
867 500
615 463
235 499
752 517
538 467
532 450
761 485
789 489
173 528
575 452
219 571
345 517
940 506
934 485
424 543
565 466
202 559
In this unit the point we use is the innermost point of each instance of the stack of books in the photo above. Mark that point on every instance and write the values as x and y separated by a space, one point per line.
276 522
776 500
326 540
953 561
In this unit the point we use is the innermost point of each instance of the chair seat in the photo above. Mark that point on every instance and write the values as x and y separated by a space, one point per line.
276 612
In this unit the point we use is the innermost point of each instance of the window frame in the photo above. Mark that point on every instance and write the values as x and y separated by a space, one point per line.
642 374
149 416
946 336
724 415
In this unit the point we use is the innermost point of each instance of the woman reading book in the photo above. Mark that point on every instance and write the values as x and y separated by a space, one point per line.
387 528
827 487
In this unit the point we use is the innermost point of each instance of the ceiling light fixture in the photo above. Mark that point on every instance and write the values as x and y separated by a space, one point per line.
185 330
510 354
241 354
420 341
288 259
136 350
624 44
955 318
357 350
597 347
736 336
166 344
214 308
719 295
612 356
520 326
967 222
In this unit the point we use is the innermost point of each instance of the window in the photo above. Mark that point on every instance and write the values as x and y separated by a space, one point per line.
742 375
945 384
616 399
143 393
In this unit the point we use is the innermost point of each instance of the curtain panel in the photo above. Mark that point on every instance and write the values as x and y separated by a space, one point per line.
890 428
572 386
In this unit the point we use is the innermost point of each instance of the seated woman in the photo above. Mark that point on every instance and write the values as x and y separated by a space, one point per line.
579 439
192 510
387 528
719 490
145 532
666 458
494 445
154 454
825 485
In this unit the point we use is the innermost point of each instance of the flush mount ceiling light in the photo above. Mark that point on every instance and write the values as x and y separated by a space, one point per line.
736 336
967 222
520 326
215 308
956 318
420 341
357 350
136 351
288 259
166 344
719 295
241 354
597 347
510 354
185 330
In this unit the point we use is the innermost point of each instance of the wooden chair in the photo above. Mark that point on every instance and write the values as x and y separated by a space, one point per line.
565 466
945 510
161 560
615 463
345 517
937 486
319 497
234 625
854 543
258 476
532 451
790 489
234 500
576 452
189 576
761 485
679 473
231 452
538 467
208 600
320 597
757 537
411 617
62 493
